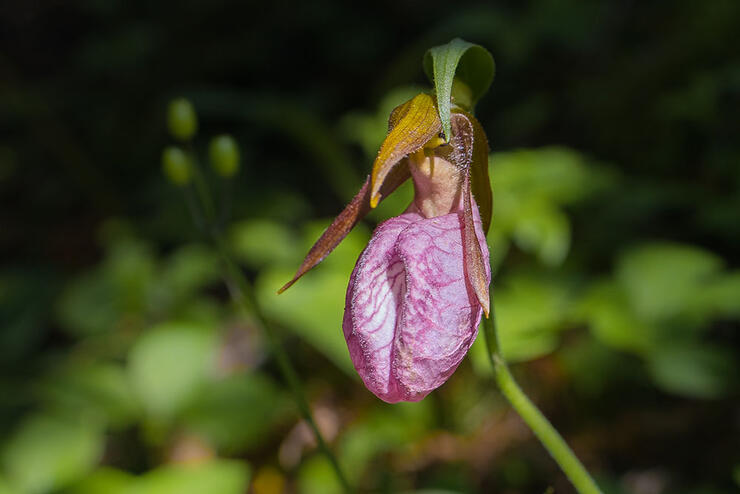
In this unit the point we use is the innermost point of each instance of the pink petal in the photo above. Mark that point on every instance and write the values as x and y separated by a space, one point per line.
410 316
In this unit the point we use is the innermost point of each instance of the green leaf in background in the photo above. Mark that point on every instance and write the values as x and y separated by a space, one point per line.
211 477
722 295
556 174
606 309
594 368
263 242
472 64
47 453
131 266
317 475
6 488
530 312
313 308
385 428
498 246
665 281
103 480
99 391
694 370
88 306
189 269
530 187
215 476
236 413
170 364
544 231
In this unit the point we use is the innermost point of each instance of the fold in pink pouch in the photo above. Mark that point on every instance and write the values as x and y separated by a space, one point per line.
410 316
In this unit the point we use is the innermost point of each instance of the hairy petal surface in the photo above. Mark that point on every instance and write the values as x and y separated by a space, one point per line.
410 314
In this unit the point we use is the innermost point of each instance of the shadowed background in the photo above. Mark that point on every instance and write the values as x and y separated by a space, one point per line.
615 161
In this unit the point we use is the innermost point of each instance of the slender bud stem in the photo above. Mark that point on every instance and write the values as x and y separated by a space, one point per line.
243 295
201 187
533 417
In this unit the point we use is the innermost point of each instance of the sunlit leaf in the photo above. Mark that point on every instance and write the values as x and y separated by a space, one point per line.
88 305
343 224
665 280
237 412
259 243
557 175
189 269
104 480
212 477
543 230
48 452
317 475
6 488
605 308
694 370
383 429
131 268
498 246
169 365
530 312
314 307
96 391
721 295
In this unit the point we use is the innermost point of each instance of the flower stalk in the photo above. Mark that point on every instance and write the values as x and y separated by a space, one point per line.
242 293
532 416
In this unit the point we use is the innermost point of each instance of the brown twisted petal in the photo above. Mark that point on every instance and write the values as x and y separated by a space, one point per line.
475 269
461 152
480 184
411 126
347 219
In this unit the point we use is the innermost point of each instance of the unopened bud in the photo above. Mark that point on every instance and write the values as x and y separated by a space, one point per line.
181 119
224 155
176 165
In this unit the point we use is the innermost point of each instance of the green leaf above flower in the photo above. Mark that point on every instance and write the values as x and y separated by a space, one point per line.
470 64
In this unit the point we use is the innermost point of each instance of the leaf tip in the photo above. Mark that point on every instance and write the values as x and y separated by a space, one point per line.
286 286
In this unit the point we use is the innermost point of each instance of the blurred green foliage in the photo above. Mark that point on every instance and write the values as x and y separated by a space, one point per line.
126 369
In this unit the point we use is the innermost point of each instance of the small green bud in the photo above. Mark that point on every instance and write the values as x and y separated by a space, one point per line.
181 119
176 165
224 155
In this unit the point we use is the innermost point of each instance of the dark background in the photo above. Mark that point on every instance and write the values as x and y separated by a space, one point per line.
616 209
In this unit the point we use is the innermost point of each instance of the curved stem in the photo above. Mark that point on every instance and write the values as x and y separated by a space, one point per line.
533 417
243 294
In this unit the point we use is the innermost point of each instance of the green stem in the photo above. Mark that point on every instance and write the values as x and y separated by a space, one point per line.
202 189
243 294
542 428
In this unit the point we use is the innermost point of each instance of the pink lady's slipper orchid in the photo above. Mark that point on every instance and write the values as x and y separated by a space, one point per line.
417 293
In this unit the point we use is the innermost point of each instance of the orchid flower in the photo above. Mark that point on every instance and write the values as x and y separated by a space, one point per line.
417 293
420 287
